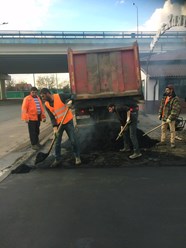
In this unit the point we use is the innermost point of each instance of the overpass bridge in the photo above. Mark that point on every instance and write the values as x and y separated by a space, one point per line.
46 51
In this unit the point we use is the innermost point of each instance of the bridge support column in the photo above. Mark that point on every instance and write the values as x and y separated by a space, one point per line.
3 78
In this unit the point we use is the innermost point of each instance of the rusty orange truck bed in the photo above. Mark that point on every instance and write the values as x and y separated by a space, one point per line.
98 77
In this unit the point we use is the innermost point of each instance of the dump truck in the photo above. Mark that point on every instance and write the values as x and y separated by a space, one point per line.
102 76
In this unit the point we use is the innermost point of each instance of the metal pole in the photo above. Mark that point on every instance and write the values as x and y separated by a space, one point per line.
34 79
136 17
56 82
3 23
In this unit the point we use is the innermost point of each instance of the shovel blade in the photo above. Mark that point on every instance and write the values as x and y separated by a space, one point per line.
41 156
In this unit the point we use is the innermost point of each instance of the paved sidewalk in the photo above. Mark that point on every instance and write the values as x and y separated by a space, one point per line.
14 142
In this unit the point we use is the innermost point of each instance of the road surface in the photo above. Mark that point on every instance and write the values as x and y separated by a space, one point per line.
94 208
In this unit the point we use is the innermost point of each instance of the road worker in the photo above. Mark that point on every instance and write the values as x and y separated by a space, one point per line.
33 113
128 115
56 107
168 112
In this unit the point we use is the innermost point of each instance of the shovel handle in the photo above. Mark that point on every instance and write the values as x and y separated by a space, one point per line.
154 129
122 131
61 123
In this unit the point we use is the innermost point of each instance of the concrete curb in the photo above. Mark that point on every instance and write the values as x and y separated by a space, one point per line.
23 156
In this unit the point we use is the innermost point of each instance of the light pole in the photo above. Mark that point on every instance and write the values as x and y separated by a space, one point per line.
136 17
3 23
34 79
57 82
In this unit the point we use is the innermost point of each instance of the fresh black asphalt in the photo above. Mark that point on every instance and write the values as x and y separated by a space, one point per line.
94 208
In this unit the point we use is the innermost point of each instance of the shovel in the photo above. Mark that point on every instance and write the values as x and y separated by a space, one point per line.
122 131
154 129
42 156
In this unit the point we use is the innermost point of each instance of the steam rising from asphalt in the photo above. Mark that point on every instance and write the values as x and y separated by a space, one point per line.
161 15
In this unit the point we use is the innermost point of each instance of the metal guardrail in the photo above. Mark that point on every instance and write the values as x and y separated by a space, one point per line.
87 34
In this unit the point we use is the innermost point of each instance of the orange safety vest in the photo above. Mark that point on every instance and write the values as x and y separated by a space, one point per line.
29 109
59 109
166 101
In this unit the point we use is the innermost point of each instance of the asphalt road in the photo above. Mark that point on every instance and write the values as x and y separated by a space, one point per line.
89 207
94 208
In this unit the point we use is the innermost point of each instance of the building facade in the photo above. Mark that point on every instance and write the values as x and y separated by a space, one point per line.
160 70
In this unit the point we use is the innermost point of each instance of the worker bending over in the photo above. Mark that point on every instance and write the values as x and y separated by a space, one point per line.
128 115
56 107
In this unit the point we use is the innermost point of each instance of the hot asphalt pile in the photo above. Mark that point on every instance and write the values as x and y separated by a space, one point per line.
100 149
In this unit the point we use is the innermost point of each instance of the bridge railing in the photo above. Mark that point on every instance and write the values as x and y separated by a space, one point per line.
88 34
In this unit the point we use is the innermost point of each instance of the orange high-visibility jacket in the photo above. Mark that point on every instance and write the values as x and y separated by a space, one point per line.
59 109
29 110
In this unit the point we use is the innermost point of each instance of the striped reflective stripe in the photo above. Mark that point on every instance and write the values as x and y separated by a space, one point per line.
60 112
60 109
61 115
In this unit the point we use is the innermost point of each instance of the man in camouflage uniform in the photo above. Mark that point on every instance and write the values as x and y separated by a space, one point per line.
168 112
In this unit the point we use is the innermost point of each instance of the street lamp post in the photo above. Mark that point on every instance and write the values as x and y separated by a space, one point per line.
136 17
34 80
3 23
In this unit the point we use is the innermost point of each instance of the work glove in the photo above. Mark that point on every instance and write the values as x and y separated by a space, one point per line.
160 117
69 104
55 131
168 120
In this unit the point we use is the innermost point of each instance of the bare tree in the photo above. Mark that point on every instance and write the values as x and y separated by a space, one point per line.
10 85
66 89
46 82
63 84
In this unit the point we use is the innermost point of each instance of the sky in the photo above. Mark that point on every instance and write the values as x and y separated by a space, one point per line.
88 15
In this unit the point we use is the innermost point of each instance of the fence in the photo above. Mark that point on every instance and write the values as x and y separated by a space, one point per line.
22 94
16 94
